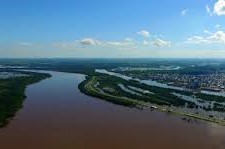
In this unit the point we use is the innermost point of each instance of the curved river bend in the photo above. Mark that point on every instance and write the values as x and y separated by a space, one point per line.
57 116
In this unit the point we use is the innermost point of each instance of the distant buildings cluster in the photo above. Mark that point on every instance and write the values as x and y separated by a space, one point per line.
7 75
210 82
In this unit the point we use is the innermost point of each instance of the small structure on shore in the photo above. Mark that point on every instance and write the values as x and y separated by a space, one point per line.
153 107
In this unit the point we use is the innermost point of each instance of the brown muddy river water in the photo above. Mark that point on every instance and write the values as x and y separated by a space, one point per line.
57 116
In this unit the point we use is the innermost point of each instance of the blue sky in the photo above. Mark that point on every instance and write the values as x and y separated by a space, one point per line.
112 28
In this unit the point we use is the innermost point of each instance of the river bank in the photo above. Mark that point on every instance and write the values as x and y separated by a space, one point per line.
92 87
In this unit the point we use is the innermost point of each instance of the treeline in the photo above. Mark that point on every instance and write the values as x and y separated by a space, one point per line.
161 96
12 94
114 100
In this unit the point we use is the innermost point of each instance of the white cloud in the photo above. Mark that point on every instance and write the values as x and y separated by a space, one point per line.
216 37
119 43
129 39
66 45
144 33
145 42
208 10
161 43
207 32
196 40
25 44
127 43
217 26
184 12
89 42
219 8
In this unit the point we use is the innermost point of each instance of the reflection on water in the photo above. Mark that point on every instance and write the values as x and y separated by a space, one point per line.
148 82
213 93
128 90
57 116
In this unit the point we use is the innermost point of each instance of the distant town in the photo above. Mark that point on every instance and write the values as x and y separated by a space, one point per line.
209 82
214 82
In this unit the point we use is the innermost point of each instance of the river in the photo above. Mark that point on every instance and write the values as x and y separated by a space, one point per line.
56 115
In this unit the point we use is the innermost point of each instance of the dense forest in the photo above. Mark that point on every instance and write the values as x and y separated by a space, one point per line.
12 94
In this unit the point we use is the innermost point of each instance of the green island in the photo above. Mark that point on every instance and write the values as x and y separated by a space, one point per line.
12 93
138 95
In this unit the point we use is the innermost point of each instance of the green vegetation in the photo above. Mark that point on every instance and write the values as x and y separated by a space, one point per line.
87 66
12 94
96 85
207 97
106 87
88 88
219 107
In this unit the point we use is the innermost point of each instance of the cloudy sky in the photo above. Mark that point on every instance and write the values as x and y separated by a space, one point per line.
112 28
